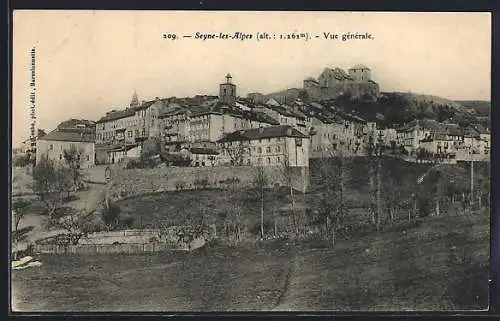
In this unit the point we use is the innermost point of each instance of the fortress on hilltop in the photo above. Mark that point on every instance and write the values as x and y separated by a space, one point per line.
334 82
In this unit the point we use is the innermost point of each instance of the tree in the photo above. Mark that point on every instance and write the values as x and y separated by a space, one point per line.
151 147
236 151
19 208
260 182
72 158
76 223
287 171
332 207
21 160
52 183
40 132
375 149
232 211
110 215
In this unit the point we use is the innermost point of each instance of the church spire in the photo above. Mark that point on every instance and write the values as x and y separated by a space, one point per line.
135 101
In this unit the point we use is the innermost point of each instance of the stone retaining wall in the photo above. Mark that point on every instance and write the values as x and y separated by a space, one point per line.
134 182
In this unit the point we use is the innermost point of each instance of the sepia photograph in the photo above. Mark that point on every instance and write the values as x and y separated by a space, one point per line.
250 161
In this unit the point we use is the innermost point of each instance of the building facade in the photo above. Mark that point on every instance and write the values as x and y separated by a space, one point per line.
266 146
56 142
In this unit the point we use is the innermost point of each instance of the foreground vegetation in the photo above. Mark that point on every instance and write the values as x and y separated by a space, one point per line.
399 243
435 263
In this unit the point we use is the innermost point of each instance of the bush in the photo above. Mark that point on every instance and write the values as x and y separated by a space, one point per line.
268 228
127 221
111 214
21 160
201 183
180 185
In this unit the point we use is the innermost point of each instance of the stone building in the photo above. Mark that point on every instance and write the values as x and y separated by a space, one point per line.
360 73
227 91
269 146
59 140
334 82
130 125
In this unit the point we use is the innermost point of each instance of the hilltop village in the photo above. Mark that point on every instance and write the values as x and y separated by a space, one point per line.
257 130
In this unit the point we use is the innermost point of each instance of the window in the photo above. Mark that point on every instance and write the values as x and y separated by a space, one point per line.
129 133
60 156
268 149
51 147
278 159
260 140
278 149
88 158
269 160
248 161
259 150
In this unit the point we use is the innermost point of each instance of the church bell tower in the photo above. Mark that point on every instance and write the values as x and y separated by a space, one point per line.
227 91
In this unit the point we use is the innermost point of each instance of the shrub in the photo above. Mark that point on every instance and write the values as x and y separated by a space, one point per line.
127 221
180 185
21 160
111 213
201 183
268 227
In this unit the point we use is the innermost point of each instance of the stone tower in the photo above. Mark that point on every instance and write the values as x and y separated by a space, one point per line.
135 101
360 73
227 91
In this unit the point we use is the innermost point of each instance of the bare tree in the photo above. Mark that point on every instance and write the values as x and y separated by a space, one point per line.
233 209
236 150
374 150
52 183
19 208
76 223
287 172
72 158
260 182
332 203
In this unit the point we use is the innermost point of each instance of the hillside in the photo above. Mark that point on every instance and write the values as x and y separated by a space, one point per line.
398 108
481 107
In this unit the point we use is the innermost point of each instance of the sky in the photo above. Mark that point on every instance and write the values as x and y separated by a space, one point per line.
90 62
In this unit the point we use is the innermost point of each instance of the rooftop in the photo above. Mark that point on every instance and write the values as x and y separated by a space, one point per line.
263 132
69 135
118 114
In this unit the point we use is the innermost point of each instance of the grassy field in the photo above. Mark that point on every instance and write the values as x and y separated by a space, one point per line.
438 263
432 263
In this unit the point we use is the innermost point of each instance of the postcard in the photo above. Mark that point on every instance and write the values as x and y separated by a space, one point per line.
215 161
